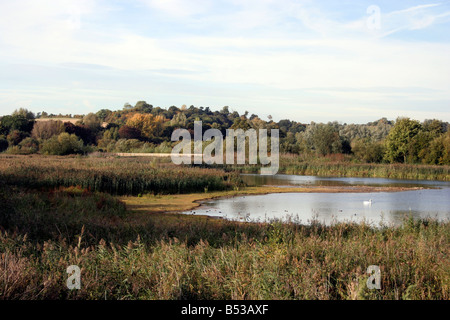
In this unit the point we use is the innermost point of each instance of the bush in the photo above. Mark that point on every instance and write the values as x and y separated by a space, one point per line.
16 136
368 151
62 144
125 145
27 146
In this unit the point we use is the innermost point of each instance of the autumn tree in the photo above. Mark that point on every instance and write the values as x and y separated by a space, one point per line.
81 131
150 126
16 136
46 129
126 132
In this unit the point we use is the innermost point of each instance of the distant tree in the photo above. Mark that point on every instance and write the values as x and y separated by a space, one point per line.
24 113
284 126
438 150
103 114
149 125
29 145
81 131
16 136
16 122
126 132
419 145
62 144
325 139
111 133
92 121
434 126
46 129
3 130
288 144
225 110
241 123
368 151
179 120
143 107
399 139
256 123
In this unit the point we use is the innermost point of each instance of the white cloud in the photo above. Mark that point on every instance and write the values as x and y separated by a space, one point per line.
277 60
413 18
179 8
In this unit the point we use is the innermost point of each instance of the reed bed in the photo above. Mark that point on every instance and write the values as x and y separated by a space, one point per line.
344 167
54 213
117 176
127 256
340 168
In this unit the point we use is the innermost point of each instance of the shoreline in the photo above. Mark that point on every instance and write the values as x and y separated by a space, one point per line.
177 203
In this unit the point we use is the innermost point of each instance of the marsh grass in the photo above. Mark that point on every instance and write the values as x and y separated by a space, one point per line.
117 176
342 166
49 220
126 255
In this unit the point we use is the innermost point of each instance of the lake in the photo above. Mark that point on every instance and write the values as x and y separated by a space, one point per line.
386 207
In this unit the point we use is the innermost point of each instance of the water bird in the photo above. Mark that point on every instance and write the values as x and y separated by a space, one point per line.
367 202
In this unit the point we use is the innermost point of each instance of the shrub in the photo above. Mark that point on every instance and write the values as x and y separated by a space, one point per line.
62 144
27 146
15 136
368 151
123 145
30 145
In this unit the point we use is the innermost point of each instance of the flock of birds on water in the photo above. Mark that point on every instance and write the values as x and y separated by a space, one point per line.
246 216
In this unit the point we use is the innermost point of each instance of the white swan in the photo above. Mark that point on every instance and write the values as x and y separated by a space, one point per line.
367 203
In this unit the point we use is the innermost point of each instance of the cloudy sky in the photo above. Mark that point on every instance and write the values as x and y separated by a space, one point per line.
350 61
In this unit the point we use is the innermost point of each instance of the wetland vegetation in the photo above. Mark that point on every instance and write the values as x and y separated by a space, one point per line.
129 247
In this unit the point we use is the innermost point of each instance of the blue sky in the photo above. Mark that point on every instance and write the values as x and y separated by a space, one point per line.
350 61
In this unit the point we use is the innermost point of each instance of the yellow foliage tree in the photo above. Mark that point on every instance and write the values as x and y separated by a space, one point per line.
149 125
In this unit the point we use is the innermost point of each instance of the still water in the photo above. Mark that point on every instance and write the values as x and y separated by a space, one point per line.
386 207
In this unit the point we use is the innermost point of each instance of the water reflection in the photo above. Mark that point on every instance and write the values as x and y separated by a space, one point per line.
294 180
328 207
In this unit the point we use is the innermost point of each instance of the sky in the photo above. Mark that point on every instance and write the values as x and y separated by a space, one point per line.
348 61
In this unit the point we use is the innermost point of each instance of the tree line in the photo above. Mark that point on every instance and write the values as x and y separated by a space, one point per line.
144 128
